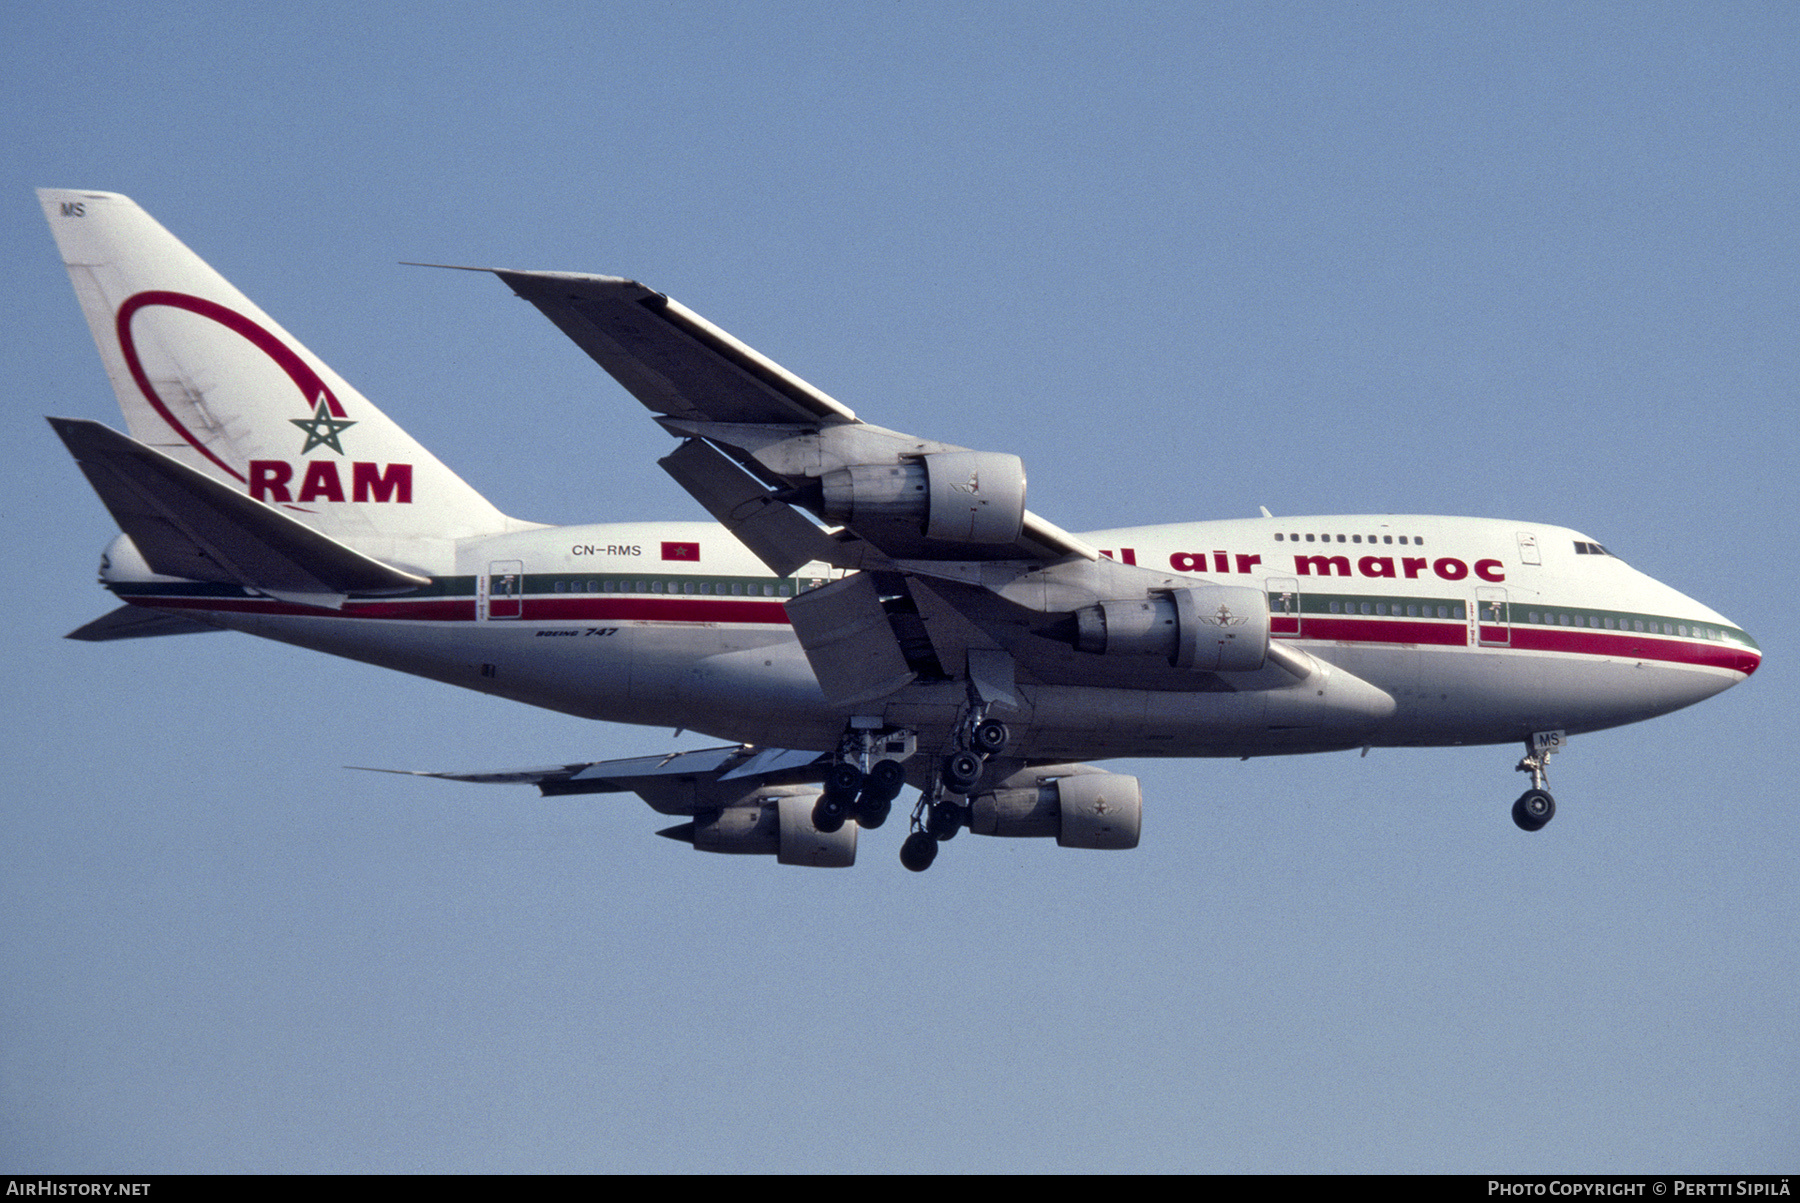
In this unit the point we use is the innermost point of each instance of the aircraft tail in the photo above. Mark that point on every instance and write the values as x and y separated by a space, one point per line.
210 380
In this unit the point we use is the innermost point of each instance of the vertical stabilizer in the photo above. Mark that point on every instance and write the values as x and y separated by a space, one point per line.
208 378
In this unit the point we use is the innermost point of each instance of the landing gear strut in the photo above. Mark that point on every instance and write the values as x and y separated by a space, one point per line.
1535 806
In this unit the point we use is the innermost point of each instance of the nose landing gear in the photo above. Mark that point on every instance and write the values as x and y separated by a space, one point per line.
1535 806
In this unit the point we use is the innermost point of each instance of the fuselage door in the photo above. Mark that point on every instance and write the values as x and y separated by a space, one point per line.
1284 606
503 597
1493 617
1528 548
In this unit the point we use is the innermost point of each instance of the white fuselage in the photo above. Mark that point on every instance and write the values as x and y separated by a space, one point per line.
1480 631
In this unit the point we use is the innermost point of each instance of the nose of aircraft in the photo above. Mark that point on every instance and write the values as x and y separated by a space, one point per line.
1745 655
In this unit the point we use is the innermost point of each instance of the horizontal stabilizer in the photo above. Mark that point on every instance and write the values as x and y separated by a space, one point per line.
135 622
188 524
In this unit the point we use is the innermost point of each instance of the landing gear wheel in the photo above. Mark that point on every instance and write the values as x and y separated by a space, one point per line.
884 782
961 771
918 852
843 781
990 737
1534 808
870 815
829 813
943 821
833 806
879 789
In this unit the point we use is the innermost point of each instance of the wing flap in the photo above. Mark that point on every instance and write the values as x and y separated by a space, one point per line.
780 535
849 642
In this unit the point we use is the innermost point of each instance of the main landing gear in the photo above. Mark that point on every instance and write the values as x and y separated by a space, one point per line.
1535 806
944 810
864 782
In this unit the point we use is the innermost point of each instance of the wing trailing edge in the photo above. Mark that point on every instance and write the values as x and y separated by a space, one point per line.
678 783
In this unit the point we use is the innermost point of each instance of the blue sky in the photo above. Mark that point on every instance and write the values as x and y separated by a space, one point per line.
1532 261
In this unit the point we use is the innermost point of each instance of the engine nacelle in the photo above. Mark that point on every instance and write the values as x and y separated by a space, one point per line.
957 496
778 824
1081 807
1210 628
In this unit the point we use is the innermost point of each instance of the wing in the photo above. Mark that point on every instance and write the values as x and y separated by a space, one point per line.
738 799
679 783
786 442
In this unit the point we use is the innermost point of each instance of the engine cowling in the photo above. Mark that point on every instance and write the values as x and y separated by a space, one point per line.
956 496
1080 806
1209 628
776 824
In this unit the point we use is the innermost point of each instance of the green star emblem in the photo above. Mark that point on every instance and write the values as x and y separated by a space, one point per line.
322 429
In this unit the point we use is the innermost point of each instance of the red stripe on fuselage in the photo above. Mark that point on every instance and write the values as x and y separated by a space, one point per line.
536 609
1620 645
1628 645
1361 630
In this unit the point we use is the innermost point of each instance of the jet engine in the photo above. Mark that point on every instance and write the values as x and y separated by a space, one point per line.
1210 628
1082 807
957 496
778 824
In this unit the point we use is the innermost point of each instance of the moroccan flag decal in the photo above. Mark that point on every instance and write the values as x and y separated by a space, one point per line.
688 552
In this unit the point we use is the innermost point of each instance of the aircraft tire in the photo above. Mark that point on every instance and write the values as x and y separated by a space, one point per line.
1534 808
871 814
917 853
961 771
884 782
843 781
829 814
991 737
943 821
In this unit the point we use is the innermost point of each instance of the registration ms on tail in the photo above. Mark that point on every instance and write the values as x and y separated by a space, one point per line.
866 611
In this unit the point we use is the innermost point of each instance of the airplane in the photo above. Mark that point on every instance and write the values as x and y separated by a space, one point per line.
866 611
